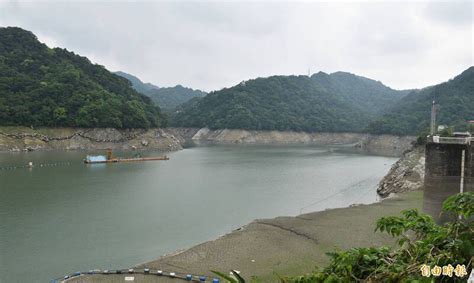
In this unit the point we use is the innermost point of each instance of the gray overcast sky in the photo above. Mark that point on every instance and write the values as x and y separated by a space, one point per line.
210 45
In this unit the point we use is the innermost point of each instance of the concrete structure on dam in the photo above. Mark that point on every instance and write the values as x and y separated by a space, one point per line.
449 169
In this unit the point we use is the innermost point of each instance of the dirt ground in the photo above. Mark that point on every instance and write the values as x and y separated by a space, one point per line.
284 245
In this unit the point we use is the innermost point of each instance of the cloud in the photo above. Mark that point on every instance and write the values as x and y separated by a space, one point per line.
210 45
456 13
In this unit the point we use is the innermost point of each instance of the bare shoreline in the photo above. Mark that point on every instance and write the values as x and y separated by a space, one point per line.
171 139
287 246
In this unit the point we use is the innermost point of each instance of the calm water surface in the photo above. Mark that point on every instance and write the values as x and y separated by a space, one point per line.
66 217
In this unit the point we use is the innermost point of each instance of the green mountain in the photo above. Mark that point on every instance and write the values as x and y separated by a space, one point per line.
137 84
332 103
168 98
171 97
368 95
455 105
40 86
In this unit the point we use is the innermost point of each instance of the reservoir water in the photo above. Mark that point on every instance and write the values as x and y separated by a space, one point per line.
63 216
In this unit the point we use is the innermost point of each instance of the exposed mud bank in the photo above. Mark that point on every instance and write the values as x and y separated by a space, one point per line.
170 139
26 139
379 144
288 246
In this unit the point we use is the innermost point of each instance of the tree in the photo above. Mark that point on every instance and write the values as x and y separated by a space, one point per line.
446 132
421 243
40 86
283 103
134 115
455 101
60 115
425 251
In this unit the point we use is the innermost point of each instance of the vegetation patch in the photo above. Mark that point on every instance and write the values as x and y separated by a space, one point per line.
455 104
426 251
47 87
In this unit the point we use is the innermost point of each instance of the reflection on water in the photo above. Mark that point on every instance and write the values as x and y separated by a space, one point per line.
61 218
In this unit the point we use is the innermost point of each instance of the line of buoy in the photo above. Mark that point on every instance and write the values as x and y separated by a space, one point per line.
32 165
145 271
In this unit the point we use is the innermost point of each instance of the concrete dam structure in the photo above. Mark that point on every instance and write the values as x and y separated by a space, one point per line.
449 169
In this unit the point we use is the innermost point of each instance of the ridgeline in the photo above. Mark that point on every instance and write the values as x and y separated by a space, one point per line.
168 98
411 115
340 102
40 86
53 87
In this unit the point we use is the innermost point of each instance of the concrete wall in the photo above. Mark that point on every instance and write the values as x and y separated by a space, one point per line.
469 174
443 175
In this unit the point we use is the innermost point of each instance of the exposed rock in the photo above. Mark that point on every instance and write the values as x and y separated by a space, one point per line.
387 144
379 144
407 174
175 138
275 137
27 139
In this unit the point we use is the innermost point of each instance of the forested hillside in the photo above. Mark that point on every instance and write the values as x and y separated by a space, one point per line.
168 98
274 103
171 97
40 86
137 84
333 103
455 105
368 95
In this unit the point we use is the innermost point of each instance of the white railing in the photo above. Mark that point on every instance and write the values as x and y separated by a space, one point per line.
451 140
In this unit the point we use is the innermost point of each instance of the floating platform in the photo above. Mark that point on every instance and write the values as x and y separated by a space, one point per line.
116 160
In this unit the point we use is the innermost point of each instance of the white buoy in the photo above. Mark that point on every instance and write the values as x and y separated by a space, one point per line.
30 164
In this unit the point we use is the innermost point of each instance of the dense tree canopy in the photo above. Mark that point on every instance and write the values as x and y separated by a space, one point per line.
455 105
368 95
299 103
331 102
40 86
167 97
137 84
171 97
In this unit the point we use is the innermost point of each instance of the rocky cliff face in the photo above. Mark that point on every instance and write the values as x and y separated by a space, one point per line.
23 139
407 174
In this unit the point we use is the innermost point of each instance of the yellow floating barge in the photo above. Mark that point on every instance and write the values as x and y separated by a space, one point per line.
98 159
